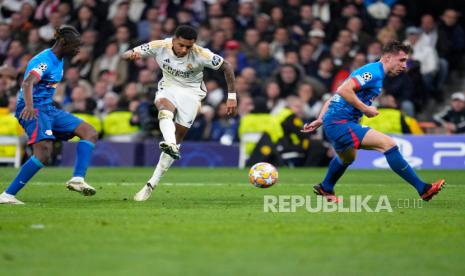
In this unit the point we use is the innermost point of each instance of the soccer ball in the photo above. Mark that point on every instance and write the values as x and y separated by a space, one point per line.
263 175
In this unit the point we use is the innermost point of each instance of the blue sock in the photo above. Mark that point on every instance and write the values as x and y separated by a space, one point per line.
27 171
403 169
335 170
83 153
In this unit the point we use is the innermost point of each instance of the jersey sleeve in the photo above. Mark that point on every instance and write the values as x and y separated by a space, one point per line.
208 58
365 78
151 48
38 67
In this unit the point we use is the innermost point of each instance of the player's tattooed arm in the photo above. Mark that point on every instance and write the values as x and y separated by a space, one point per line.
231 103
28 111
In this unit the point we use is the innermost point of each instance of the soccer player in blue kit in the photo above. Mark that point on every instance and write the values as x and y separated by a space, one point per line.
340 119
44 123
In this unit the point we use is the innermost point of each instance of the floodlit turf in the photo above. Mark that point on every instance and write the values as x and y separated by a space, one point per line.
211 222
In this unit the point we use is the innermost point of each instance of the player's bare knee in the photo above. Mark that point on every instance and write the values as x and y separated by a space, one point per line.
389 143
165 114
43 152
91 134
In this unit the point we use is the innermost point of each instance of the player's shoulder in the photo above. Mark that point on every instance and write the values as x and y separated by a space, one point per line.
162 43
369 71
201 51
42 56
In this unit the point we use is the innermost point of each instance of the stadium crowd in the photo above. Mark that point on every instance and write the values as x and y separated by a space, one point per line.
289 56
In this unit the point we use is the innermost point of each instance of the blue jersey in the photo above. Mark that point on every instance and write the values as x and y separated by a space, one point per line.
49 69
369 81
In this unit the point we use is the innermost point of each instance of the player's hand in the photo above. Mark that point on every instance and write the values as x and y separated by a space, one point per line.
371 111
28 113
312 126
231 105
131 55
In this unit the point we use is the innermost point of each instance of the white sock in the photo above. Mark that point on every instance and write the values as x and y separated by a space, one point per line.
168 130
163 165
77 179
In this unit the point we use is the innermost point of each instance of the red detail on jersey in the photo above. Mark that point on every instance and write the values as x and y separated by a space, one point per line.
340 122
36 129
357 84
354 139
35 74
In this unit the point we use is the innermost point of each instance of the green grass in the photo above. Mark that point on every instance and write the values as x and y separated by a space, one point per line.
211 222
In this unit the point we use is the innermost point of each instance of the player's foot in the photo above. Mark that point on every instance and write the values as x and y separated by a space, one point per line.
80 186
433 189
170 149
144 193
9 199
331 197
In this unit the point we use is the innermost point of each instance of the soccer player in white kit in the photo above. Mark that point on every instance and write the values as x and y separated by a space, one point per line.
180 91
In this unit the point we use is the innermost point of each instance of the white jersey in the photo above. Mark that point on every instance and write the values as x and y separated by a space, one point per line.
184 71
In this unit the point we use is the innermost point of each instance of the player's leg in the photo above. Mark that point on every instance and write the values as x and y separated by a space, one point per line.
66 125
337 167
164 163
183 122
166 110
378 141
38 131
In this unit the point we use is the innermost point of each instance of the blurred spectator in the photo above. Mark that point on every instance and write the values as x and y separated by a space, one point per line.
45 9
85 20
35 44
304 25
244 17
264 64
305 57
374 51
311 104
110 61
47 32
215 93
5 40
428 58
273 95
17 57
288 78
8 83
232 47
325 73
451 40
144 26
224 127
452 118
360 37
72 79
65 11
19 26
401 88
249 46
316 39
322 9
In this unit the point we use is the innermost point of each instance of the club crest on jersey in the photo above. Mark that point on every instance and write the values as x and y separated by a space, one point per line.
49 132
367 76
145 47
216 60
42 67
190 67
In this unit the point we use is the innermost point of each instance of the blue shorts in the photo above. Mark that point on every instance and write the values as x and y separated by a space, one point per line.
51 124
344 134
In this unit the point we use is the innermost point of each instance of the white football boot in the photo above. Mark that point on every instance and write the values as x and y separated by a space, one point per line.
170 149
9 199
78 184
144 193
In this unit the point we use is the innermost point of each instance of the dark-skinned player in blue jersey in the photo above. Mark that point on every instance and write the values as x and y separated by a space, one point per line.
44 123
340 119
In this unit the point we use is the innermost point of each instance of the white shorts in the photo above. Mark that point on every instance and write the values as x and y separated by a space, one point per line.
186 100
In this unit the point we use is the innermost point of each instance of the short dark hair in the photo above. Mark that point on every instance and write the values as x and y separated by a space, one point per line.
393 47
186 32
66 32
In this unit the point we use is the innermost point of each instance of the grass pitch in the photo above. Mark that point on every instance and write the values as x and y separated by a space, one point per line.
211 222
